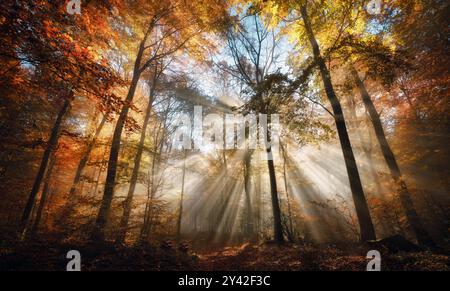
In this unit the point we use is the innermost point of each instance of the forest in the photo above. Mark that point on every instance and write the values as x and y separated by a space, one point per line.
255 135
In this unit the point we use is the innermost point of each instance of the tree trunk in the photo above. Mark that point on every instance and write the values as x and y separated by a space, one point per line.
277 227
258 201
288 200
147 210
152 187
249 226
180 213
51 145
103 214
414 221
151 192
43 199
70 204
135 174
85 157
100 168
367 231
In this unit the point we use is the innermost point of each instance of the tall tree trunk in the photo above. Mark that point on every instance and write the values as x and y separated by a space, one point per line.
249 226
84 159
180 213
258 201
51 145
43 199
70 204
135 174
288 200
147 210
223 199
277 227
103 214
405 197
101 167
367 231
151 185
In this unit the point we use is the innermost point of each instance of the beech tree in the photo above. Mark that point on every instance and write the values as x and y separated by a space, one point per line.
305 12
57 56
253 60
164 28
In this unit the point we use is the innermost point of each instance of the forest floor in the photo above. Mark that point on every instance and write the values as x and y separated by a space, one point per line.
168 255
310 257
